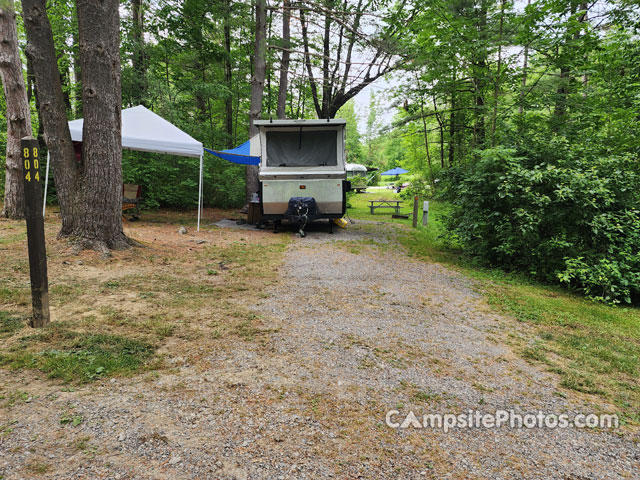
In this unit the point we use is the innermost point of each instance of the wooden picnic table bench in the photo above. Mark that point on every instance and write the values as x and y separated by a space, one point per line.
395 204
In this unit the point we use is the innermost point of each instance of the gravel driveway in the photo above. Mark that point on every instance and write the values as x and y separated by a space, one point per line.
354 329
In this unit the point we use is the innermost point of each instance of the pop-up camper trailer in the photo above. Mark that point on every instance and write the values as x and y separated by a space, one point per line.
302 170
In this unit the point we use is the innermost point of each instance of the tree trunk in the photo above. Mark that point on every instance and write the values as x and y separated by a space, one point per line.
525 66
565 80
441 128
32 93
426 139
452 127
284 64
481 71
98 221
18 112
138 59
228 101
41 53
496 85
268 65
257 88
77 79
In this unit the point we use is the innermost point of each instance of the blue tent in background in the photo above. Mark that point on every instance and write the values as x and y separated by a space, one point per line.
393 171
240 154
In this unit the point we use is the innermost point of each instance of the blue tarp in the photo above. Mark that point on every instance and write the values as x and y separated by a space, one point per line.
394 171
240 154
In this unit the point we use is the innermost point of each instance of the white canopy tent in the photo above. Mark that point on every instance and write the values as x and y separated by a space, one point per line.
145 131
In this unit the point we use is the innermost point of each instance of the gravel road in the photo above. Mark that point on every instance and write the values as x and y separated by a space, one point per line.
355 328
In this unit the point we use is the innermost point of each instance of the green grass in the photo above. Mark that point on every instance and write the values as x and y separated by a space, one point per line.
594 348
359 209
9 324
77 357
358 206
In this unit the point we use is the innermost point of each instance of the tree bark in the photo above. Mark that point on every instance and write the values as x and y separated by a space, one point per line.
89 190
77 79
18 112
480 74
41 53
452 128
257 88
32 93
286 55
496 85
98 223
228 101
525 66
441 128
138 59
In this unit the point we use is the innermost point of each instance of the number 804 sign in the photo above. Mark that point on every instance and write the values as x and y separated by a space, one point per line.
31 163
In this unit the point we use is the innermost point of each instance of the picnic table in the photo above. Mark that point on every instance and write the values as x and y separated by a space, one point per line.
395 204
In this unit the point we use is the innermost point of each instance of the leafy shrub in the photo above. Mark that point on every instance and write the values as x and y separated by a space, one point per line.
358 181
571 220
419 187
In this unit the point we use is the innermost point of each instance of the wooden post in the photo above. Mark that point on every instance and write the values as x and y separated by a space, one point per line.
35 231
415 211
425 213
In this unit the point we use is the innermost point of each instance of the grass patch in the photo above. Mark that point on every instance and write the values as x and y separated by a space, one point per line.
37 467
110 316
9 324
78 357
359 207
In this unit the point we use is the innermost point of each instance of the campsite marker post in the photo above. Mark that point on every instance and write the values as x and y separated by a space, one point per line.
425 213
35 231
415 211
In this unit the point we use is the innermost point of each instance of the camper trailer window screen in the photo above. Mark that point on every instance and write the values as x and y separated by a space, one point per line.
302 148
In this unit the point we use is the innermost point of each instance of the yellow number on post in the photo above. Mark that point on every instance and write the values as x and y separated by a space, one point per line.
36 164
25 153
37 176
27 165
28 176
35 152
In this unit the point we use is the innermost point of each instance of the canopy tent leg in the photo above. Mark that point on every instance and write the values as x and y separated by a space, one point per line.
200 195
46 184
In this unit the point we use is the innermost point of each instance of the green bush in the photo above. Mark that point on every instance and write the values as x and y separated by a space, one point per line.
358 181
567 219
419 187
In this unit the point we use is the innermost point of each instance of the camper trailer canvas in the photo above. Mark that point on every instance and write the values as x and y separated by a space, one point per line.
302 159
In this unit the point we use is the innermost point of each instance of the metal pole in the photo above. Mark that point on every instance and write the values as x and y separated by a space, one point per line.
46 184
35 231
425 214
200 195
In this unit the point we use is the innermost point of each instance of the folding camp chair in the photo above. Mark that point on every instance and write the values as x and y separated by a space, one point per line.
131 198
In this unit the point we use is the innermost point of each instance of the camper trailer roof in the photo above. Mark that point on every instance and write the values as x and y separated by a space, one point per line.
299 123
355 167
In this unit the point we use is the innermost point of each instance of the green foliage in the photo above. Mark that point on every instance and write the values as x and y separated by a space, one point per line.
418 187
358 181
353 144
563 219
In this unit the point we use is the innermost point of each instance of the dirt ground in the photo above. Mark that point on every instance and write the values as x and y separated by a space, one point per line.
277 357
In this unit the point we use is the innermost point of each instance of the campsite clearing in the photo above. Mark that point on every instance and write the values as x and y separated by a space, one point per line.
242 354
